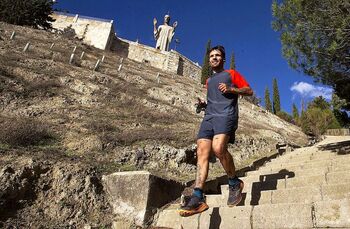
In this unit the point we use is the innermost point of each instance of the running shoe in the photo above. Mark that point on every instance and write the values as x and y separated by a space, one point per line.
193 205
235 194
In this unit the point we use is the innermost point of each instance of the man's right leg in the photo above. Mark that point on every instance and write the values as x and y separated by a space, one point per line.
203 154
197 204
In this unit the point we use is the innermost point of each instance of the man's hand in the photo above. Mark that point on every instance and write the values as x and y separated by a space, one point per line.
200 101
154 21
200 105
225 88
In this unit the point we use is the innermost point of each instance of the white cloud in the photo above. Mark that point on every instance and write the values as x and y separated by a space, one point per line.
307 90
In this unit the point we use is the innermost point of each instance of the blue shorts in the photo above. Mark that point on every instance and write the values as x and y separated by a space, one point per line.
214 125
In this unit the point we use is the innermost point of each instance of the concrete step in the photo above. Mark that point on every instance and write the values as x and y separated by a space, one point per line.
338 158
258 195
308 159
287 172
300 169
320 214
331 174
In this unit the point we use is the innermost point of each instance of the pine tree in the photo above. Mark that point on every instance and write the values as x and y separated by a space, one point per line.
206 70
268 105
232 61
295 113
35 13
276 97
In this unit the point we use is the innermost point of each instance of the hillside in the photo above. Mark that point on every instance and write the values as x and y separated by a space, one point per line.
82 123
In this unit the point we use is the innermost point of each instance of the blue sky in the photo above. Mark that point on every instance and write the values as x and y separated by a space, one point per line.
241 26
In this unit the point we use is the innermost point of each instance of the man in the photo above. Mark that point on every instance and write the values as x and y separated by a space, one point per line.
164 34
217 130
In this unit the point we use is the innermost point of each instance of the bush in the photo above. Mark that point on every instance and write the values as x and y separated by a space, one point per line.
285 116
23 132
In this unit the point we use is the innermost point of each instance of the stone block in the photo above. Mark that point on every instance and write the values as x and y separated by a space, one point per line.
136 195
334 213
282 216
334 177
226 218
172 219
297 195
314 181
336 191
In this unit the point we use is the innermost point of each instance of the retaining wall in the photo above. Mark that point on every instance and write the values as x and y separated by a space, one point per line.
338 132
96 32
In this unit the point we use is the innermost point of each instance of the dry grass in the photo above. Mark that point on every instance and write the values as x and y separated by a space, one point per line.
20 131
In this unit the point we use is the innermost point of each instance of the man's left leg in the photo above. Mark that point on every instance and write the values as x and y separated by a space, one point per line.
220 142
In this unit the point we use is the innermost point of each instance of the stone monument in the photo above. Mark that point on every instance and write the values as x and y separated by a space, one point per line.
164 33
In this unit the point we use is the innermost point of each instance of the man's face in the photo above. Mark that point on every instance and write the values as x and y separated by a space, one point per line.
215 59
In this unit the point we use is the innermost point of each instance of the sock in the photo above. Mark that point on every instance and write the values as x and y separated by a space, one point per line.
198 192
233 181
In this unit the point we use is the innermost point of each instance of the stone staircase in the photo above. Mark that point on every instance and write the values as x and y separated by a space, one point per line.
305 188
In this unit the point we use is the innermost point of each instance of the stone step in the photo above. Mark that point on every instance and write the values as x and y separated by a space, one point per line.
281 183
259 195
279 173
300 169
320 214
338 158
283 175
332 173
333 177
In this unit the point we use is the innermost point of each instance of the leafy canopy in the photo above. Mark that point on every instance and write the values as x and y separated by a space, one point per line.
35 13
315 38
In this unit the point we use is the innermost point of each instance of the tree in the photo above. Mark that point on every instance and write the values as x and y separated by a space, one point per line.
268 105
316 121
276 98
315 40
35 13
206 69
319 102
318 117
341 115
295 113
232 61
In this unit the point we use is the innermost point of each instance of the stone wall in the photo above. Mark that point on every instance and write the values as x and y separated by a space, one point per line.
338 132
172 61
93 31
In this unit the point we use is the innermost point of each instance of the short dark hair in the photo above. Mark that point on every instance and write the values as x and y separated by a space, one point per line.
220 48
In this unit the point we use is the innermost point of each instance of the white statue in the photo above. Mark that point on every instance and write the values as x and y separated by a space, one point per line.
164 33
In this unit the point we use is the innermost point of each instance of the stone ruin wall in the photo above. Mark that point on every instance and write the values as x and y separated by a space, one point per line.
100 34
171 61
93 31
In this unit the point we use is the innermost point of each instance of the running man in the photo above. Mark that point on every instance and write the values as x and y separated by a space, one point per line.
217 130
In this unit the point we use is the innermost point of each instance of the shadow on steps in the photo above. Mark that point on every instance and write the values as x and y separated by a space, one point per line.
340 148
267 182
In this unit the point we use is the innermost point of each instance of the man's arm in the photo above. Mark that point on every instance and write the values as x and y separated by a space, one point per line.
247 91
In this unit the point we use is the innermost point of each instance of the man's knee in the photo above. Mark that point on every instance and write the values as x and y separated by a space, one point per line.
219 150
